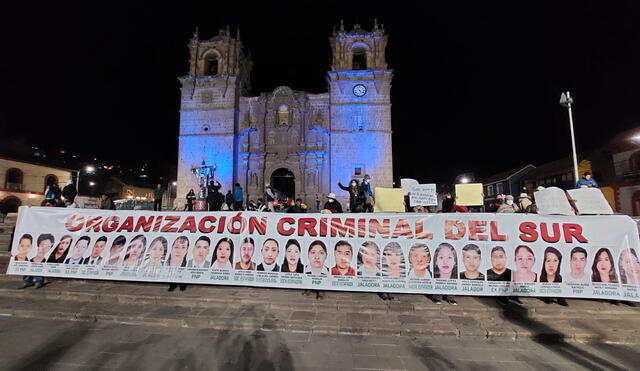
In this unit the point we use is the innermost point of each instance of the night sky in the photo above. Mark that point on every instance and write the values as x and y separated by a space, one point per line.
476 87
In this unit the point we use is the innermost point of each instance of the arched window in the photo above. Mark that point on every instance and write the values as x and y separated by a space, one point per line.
10 205
634 162
211 64
50 180
13 179
359 59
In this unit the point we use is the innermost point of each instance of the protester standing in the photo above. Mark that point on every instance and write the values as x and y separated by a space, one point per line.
191 196
447 203
270 196
355 195
368 195
157 198
238 197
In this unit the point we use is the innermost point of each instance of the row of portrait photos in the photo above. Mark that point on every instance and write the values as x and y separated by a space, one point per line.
353 257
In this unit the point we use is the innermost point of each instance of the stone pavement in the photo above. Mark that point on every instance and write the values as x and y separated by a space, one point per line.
37 344
280 310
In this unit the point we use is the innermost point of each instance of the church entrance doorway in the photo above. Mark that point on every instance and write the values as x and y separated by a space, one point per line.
283 180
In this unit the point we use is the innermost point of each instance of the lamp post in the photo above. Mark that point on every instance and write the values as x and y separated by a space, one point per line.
566 100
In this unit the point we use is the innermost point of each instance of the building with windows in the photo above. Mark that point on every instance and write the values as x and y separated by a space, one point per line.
23 183
299 142
508 183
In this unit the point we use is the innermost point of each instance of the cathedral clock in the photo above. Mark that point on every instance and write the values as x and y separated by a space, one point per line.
359 90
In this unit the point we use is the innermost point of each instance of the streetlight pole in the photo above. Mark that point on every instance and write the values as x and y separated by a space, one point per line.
566 101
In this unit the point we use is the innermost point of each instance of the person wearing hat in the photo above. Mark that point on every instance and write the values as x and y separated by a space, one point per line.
508 206
587 181
332 204
524 201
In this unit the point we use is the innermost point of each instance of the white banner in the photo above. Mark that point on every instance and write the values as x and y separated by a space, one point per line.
468 254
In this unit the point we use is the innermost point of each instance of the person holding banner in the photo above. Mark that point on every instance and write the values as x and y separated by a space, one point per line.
603 269
247 249
78 251
317 255
24 247
525 259
133 258
551 271
59 254
116 249
369 260
446 267
471 258
270 251
222 254
178 259
292 253
156 253
629 267
420 259
343 255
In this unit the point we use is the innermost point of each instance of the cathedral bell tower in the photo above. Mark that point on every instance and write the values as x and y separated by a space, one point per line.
360 105
210 94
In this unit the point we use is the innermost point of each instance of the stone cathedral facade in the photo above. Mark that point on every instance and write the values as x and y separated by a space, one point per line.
299 142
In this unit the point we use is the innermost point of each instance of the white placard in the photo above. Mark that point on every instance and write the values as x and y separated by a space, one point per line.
552 201
590 201
407 184
423 195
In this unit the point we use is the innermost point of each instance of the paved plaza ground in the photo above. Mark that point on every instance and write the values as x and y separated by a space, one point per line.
36 344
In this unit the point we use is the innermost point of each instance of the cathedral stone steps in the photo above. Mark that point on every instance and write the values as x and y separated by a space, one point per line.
231 307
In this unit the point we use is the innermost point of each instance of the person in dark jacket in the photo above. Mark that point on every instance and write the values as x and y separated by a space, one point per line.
332 204
69 192
297 207
214 197
356 197
157 198
228 199
106 203
191 196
